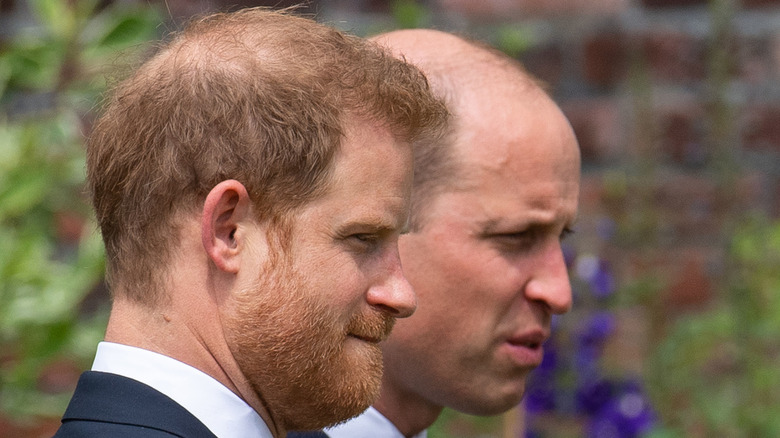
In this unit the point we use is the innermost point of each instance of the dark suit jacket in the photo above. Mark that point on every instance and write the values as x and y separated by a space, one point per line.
108 405
314 434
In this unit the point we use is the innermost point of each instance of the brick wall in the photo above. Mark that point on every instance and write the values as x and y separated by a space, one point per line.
635 79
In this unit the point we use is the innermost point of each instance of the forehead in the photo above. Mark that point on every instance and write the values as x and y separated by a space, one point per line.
370 158
511 127
370 179
517 155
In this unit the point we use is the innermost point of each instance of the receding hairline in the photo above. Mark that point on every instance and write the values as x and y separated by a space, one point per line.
464 73
455 64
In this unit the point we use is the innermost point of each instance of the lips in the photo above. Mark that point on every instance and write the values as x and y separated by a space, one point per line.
525 349
532 339
371 339
372 328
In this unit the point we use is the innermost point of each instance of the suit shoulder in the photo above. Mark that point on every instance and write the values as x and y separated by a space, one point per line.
87 429
310 434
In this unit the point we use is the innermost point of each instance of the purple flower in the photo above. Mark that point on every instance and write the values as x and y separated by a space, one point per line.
602 282
540 394
591 337
596 329
586 359
540 387
593 396
626 415
550 359
531 433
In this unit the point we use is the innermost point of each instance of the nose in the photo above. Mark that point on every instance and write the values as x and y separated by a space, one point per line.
392 293
550 282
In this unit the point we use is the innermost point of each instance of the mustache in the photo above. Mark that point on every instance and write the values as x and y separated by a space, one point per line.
373 327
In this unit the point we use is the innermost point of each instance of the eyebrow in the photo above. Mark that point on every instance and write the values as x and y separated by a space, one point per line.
375 224
493 225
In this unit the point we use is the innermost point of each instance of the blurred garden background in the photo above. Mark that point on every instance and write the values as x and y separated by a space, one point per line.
675 262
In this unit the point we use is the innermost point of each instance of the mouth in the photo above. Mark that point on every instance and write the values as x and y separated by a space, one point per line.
530 344
532 339
527 348
372 329
371 339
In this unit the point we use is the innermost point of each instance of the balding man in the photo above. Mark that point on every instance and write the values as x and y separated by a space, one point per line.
251 181
490 205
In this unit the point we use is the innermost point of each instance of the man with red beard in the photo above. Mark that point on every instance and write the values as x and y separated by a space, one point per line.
490 204
250 181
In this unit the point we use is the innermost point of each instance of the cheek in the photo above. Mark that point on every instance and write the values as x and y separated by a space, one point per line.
338 281
452 310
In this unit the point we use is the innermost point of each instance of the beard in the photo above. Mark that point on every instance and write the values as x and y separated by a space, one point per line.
296 352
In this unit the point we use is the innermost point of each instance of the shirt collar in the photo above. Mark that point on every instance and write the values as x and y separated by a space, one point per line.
370 423
211 402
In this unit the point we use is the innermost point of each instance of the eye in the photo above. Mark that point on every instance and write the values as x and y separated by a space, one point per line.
364 237
515 241
364 241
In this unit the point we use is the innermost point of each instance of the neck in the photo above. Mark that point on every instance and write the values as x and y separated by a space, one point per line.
184 337
409 412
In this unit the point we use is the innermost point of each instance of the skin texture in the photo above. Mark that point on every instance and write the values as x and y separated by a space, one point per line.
486 263
319 309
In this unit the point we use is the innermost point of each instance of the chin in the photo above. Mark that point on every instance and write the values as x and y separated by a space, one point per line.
489 404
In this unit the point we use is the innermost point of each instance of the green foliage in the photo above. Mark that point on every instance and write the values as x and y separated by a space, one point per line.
453 424
409 14
716 371
51 255
513 39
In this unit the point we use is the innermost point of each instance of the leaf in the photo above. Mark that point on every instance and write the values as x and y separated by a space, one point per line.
25 189
5 74
34 64
118 28
126 32
514 40
56 15
409 14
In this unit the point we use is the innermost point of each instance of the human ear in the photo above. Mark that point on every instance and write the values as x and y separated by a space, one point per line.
226 206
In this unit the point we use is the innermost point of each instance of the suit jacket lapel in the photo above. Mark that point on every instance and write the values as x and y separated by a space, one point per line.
116 399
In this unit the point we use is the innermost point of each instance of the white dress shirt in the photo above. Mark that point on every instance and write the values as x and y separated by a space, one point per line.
211 402
369 424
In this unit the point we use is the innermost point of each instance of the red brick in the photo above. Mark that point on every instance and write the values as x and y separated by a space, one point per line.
7 6
546 63
672 3
69 226
604 59
683 137
627 348
59 377
597 125
502 9
774 54
760 3
689 208
30 428
761 127
591 194
691 285
756 61
675 56
752 189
